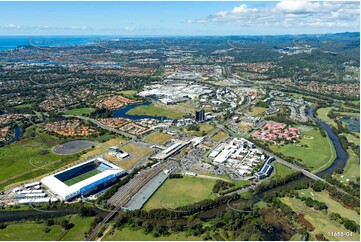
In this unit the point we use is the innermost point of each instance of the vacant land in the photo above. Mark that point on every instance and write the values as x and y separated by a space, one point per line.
203 130
322 223
158 138
322 114
220 135
22 231
257 111
130 93
81 177
314 150
79 111
127 163
153 110
137 150
130 234
178 192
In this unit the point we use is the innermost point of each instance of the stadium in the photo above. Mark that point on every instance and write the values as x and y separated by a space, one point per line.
83 179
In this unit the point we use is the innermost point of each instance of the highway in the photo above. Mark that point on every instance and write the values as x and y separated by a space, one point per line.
101 125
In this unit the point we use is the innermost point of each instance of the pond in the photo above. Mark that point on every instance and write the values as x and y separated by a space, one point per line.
352 123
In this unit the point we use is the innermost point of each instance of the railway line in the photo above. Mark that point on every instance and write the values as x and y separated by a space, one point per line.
125 193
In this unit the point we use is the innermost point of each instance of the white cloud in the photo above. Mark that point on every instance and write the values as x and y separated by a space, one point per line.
79 27
291 13
298 7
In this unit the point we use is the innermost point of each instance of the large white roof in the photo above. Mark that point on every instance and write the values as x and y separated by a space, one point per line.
67 192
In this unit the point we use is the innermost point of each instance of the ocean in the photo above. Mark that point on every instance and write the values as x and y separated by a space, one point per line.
11 42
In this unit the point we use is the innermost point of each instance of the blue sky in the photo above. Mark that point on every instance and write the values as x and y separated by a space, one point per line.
177 18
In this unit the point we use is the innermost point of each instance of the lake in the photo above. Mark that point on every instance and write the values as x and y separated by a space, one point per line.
123 112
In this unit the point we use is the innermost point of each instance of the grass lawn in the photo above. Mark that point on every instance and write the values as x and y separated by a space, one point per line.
220 135
297 237
153 110
333 206
128 92
137 150
203 130
81 226
127 163
257 111
281 171
348 114
158 138
319 220
319 153
81 177
131 234
322 114
352 139
178 192
26 105
79 111
32 157
34 148
352 168
23 231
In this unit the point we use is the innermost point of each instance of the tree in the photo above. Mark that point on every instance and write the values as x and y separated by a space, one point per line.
351 225
318 186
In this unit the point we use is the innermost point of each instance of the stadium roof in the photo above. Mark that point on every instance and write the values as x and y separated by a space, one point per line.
68 192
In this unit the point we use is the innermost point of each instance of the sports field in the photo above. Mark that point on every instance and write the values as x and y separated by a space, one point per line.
158 138
81 177
179 192
318 153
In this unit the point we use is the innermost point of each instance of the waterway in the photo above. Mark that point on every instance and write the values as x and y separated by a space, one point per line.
341 154
17 135
123 112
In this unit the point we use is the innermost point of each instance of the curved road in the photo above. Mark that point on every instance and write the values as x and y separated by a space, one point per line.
101 125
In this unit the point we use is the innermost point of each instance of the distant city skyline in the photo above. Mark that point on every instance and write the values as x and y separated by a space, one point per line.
178 18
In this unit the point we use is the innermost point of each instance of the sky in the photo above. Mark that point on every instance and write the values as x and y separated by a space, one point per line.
178 18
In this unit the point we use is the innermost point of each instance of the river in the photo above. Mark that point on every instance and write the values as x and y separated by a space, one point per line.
341 154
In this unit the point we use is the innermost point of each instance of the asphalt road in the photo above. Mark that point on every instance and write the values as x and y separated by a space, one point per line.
102 125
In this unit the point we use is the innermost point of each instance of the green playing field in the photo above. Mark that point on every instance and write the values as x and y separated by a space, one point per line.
81 177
